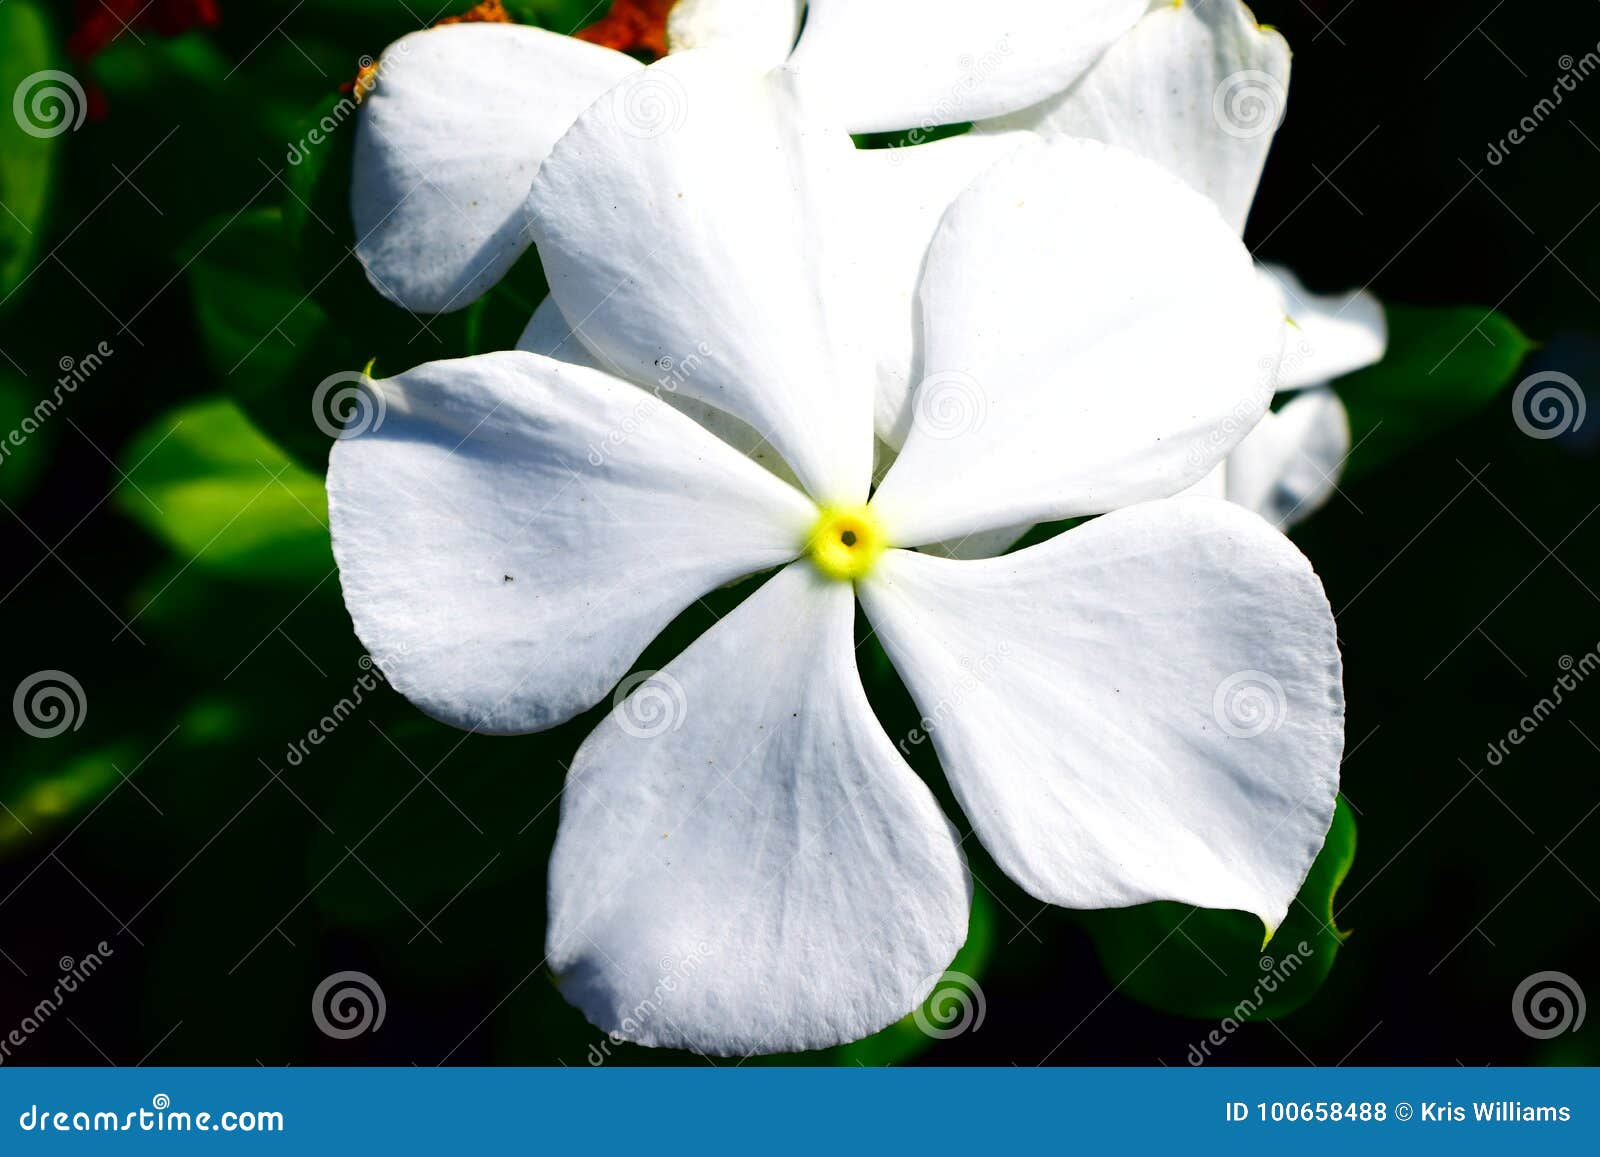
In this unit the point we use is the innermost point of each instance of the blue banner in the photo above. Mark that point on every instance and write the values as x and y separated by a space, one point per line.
716 1110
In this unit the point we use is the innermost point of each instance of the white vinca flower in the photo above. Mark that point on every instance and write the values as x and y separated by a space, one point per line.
1201 89
519 528
461 116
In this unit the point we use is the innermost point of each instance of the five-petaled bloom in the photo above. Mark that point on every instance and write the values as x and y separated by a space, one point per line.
1089 337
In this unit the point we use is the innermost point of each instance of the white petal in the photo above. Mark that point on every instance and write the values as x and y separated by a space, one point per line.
691 211
1329 336
762 30
1115 347
1146 707
511 533
880 65
904 193
447 145
547 333
1215 484
745 862
980 544
1199 88
1289 465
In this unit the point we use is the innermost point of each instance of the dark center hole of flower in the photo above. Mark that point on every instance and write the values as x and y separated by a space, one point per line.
848 538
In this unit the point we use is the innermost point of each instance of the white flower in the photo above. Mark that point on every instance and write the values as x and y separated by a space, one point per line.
1201 89
518 530
461 116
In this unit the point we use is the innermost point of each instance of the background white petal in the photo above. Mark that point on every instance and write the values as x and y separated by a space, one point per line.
903 195
979 544
691 210
1215 484
1289 465
1095 335
1199 88
763 31
761 825
447 145
906 64
547 333
1146 707
512 532
1329 335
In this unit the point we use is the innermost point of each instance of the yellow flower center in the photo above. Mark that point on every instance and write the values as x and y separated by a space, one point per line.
846 541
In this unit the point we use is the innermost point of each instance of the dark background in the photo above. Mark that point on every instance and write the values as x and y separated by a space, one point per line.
228 882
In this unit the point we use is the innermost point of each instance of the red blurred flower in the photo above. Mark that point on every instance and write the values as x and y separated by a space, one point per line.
100 22
489 12
638 27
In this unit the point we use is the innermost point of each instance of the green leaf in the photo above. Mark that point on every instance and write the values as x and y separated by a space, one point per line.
263 336
1443 365
51 106
224 498
1210 964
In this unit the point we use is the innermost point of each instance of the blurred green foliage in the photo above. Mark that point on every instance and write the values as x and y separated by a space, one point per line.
25 457
224 497
242 273
168 545
27 159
